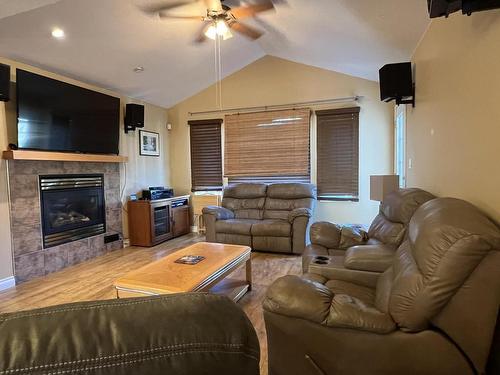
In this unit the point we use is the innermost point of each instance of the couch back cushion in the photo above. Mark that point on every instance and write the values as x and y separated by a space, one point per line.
246 200
447 239
285 197
386 231
389 227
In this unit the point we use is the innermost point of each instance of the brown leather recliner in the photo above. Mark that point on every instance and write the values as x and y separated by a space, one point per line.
432 312
344 252
265 217
181 334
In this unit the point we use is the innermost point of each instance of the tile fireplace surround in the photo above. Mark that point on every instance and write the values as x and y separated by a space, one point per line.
31 260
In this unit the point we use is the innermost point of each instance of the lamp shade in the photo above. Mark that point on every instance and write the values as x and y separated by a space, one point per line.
382 185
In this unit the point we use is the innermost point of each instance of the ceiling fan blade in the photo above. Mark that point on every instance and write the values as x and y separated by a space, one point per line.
213 5
200 35
246 30
251 10
163 6
195 18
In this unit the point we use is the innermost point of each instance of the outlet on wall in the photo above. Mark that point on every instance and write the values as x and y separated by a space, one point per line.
410 163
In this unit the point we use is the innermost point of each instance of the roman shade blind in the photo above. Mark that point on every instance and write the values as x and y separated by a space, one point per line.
338 154
267 146
206 155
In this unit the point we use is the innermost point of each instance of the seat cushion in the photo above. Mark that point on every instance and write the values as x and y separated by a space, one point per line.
234 239
235 226
363 293
273 228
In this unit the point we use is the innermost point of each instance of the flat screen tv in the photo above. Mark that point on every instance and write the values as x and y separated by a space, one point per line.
56 116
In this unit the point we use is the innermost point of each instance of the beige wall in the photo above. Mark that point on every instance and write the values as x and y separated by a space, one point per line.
453 134
270 81
140 171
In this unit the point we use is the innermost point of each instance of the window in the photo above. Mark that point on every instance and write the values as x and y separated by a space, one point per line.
267 146
206 155
400 144
338 154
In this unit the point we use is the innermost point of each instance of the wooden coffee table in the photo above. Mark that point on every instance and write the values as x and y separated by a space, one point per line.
165 276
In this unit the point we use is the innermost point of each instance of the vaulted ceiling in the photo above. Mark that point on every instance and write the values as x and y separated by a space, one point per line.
106 39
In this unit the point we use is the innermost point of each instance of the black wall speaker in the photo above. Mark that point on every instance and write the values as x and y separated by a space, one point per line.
4 83
396 83
134 117
443 8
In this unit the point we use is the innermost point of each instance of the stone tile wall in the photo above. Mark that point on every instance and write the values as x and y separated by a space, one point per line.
30 259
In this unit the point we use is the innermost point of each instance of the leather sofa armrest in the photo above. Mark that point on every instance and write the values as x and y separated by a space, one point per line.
299 298
220 213
305 299
373 258
132 336
325 234
352 235
299 212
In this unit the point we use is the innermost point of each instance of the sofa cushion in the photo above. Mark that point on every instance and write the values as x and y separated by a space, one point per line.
283 198
276 208
245 200
386 231
249 208
363 293
447 239
291 191
274 228
235 239
400 205
375 258
235 226
245 191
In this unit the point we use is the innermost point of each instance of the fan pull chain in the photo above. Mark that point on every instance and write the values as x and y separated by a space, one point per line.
219 39
218 73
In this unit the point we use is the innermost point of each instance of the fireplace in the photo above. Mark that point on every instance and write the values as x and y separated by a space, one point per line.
72 207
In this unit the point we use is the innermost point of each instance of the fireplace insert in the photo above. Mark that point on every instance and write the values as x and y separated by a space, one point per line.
73 207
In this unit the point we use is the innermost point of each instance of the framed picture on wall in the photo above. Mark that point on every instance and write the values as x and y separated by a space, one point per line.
149 143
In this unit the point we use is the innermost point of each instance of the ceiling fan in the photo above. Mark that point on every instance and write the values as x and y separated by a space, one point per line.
220 19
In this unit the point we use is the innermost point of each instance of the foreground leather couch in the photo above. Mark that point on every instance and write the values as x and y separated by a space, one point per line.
432 312
265 217
183 334
344 252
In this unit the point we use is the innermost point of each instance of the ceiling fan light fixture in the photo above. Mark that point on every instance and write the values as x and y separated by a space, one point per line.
218 28
211 32
221 27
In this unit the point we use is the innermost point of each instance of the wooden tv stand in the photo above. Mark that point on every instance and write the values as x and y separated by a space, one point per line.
156 221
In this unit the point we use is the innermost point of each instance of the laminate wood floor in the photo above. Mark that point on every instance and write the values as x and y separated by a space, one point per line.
93 280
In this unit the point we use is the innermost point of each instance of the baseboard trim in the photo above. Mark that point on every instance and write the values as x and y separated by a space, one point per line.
7 283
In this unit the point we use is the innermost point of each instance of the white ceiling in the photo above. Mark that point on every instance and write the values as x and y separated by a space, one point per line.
11 7
106 39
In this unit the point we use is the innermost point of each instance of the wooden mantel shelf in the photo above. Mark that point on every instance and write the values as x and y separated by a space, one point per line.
62 156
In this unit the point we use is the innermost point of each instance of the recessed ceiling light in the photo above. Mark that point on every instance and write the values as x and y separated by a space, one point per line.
58 33
139 69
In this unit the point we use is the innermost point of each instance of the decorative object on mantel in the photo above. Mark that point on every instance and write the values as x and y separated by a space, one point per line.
149 143
61 156
382 185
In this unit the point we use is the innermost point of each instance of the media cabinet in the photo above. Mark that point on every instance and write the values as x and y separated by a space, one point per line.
154 221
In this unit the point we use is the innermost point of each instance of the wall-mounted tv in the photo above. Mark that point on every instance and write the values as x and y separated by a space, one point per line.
57 116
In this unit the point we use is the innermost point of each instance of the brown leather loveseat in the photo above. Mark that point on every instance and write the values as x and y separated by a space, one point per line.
265 217
344 252
432 312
